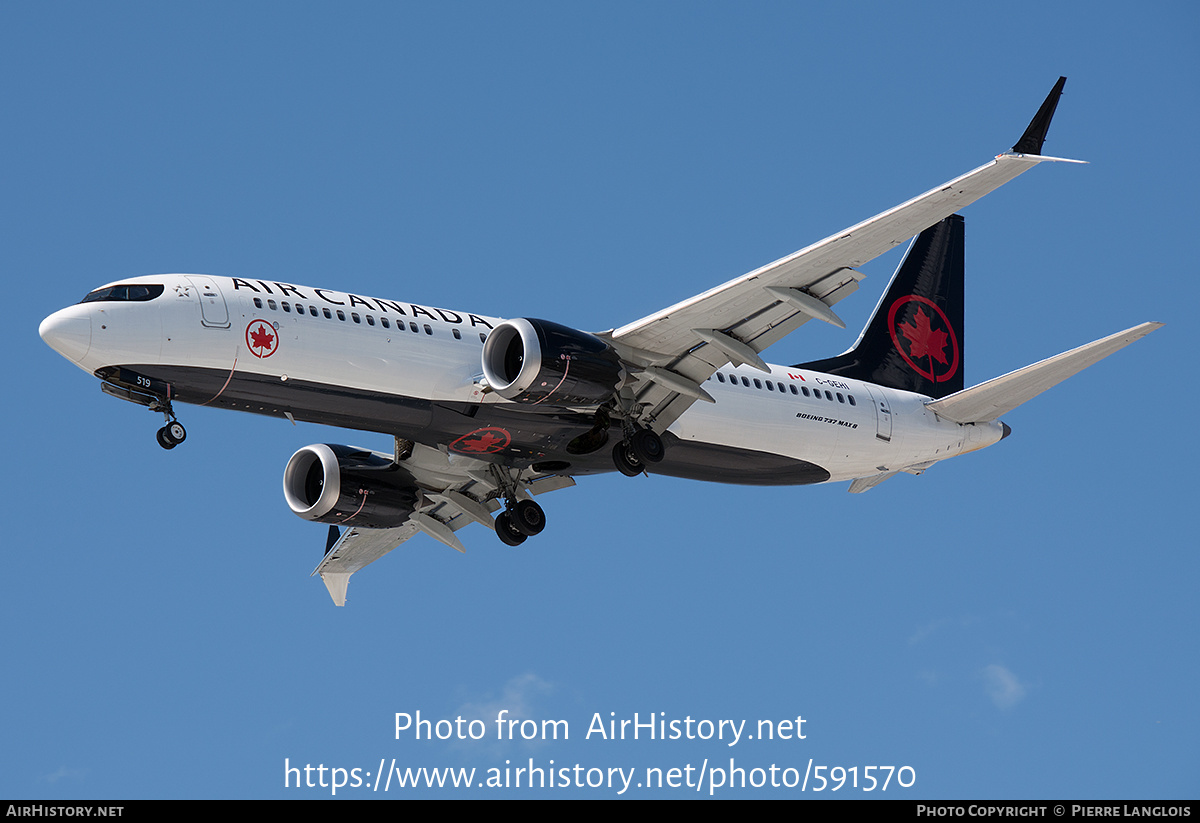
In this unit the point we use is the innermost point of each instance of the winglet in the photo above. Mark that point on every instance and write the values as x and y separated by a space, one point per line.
1033 138
336 582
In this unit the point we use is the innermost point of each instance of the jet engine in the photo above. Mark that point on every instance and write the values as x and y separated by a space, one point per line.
536 361
347 486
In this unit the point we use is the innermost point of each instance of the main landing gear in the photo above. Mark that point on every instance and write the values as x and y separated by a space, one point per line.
640 449
521 518
520 521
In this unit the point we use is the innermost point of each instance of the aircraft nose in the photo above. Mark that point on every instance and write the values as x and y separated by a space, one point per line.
69 332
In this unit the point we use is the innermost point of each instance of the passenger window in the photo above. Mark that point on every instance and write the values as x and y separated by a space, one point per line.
840 398
328 316
746 382
792 386
805 390
829 395
413 327
457 334
370 320
757 383
312 310
354 316
271 305
287 307
427 329
258 303
385 322
720 377
341 315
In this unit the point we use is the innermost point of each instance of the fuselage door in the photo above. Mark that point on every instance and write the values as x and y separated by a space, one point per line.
883 416
213 311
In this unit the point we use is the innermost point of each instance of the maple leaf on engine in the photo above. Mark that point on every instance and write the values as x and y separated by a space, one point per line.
923 340
260 339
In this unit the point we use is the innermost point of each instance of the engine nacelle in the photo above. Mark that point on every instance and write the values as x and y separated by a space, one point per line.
346 486
536 361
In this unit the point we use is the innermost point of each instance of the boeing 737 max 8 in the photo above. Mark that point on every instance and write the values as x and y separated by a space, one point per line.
486 412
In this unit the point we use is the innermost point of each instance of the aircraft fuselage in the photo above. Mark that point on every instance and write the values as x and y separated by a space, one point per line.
414 372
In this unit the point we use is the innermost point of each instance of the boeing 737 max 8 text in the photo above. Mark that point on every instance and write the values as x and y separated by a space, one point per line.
487 413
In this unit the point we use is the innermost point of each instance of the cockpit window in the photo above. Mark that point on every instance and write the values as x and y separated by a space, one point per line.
134 292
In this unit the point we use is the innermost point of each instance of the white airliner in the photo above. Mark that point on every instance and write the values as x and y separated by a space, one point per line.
488 412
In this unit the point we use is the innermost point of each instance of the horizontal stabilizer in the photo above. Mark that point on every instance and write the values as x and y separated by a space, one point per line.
989 400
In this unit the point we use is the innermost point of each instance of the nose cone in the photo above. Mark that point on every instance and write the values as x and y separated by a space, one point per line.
69 332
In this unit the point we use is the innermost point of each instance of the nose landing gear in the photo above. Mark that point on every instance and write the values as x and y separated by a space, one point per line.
150 392
171 435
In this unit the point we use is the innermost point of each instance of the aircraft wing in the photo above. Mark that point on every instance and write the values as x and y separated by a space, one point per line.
455 491
680 347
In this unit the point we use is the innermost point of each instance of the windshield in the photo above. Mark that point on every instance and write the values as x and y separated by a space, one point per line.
136 292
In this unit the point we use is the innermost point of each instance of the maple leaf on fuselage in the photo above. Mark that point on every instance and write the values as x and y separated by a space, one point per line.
483 444
923 340
260 339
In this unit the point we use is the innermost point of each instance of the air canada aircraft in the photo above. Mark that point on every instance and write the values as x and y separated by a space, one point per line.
488 413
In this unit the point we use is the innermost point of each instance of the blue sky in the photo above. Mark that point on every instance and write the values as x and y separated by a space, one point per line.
1020 622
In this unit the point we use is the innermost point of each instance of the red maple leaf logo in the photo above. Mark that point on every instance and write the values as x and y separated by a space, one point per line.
482 441
923 340
483 444
261 339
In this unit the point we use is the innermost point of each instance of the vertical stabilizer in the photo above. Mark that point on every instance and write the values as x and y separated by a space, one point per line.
914 340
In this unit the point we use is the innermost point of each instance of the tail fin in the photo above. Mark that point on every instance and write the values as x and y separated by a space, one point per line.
914 340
